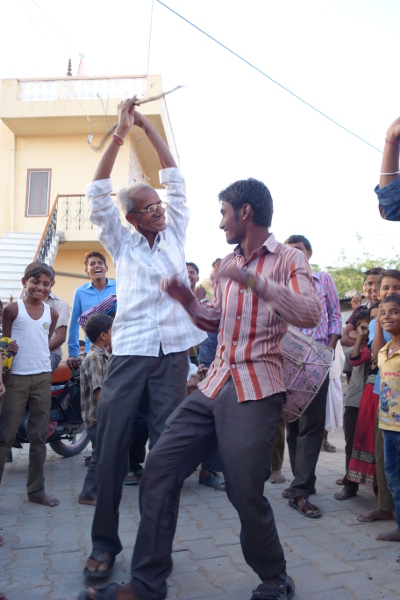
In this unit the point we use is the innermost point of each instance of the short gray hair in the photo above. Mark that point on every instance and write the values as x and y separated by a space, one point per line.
124 196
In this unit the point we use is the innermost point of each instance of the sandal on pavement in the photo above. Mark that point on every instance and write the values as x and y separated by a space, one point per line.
100 557
130 479
105 592
305 506
286 493
285 590
278 479
328 447
213 480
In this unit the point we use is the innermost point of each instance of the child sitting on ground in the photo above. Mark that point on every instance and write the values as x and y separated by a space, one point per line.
93 372
31 323
389 400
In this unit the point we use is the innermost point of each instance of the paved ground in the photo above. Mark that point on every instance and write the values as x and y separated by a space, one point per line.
332 558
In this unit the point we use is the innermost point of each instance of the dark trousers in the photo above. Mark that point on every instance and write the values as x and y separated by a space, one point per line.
139 437
129 378
304 438
278 449
349 423
245 433
89 491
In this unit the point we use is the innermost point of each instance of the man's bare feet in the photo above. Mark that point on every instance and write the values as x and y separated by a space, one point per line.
2 542
87 501
375 514
123 592
277 477
346 493
42 498
390 536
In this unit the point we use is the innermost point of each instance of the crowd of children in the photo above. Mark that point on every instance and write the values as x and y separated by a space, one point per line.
372 430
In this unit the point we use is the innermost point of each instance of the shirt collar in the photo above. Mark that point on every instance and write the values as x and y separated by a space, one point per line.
90 284
269 246
317 276
102 351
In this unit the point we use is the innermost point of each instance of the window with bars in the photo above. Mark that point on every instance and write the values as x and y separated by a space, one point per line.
38 193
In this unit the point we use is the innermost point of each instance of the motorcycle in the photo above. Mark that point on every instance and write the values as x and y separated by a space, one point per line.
66 433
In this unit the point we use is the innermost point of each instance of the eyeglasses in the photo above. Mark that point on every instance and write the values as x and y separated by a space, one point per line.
153 208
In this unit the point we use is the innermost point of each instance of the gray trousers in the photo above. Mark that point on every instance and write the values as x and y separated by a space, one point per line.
304 438
89 489
245 434
162 380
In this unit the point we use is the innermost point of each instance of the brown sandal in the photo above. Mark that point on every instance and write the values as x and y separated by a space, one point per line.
303 505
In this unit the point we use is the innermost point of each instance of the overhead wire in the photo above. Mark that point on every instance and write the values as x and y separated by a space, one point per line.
286 89
150 33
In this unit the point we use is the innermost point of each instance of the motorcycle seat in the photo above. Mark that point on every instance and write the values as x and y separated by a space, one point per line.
61 373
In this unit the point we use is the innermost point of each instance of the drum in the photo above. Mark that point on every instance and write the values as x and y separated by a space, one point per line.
306 363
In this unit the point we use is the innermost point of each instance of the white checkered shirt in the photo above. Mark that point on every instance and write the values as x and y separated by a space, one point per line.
147 317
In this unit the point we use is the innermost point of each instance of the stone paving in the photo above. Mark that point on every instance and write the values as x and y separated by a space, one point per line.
332 558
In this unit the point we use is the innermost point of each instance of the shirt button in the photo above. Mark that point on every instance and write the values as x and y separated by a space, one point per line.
238 318
235 343
233 366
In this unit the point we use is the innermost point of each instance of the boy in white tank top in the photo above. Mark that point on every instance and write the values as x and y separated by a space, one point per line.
31 323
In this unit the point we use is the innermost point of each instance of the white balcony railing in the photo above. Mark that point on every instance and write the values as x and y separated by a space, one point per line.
82 89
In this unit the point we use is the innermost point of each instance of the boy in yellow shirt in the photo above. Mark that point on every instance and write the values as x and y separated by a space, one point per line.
389 399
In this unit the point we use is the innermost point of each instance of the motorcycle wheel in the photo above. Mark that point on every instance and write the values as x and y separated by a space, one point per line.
71 447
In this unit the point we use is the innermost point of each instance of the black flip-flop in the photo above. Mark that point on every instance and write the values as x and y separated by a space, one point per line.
285 589
105 592
98 555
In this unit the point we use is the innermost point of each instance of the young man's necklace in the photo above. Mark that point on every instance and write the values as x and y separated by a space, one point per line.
393 349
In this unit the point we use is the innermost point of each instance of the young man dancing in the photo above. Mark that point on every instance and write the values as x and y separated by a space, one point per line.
260 288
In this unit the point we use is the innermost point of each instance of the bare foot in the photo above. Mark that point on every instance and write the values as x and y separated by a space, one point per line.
124 592
42 498
346 493
2 542
390 536
87 501
277 477
375 514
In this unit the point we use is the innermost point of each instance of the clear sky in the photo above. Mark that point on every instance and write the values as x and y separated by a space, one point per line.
230 121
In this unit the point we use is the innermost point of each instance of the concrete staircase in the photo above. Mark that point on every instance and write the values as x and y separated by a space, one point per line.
17 250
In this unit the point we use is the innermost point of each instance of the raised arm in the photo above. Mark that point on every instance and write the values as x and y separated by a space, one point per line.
128 116
390 160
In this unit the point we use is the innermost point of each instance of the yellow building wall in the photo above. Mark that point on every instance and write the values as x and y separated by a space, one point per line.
72 163
5 173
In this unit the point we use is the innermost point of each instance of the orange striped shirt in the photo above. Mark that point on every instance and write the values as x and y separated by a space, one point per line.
251 324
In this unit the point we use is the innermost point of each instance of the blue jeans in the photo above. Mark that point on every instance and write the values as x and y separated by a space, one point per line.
391 440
